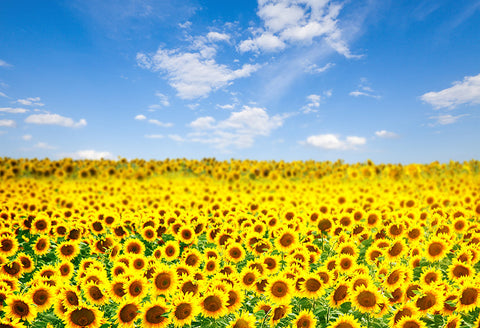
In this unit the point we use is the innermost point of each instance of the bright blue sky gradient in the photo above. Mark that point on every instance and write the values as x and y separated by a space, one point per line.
390 81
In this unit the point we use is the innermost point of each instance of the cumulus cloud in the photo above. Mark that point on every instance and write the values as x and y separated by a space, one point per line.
192 74
140 117
27 137
90 154
462 92
8 123
215 36
334 142
386 134
226 106
290 21
32 101
446 119
314 102
55 119
239 130
13 110
159 123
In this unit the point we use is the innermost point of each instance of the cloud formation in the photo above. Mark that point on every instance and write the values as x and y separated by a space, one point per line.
8 123
462 92
32 101
13 110
386 134
334 142
90 154
55 119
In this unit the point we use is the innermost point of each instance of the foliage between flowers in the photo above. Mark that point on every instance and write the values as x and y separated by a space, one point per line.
181 243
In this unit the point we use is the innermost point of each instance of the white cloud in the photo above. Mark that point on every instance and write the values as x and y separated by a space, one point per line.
215 36
55 119
140 117
32 101
4 64
332 141
190 73
386 134
364 89
3 95
27 137
265 42
293 21
162 124
176 137
13 110
90 154
314 69
462 92
43 145
8 123
314 102
445 119
239 130
154 136
226 106
163 99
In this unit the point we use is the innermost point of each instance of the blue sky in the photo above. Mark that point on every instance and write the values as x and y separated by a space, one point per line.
390 81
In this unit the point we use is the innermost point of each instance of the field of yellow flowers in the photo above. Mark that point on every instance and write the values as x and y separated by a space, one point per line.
186 243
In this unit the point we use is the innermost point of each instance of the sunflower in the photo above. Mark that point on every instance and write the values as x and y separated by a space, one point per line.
117 288
235 299
373 254
95 293
396 250
188 284
213 304
243 320
134 246
184 309
136 288
27 262
20 307
69 297
83 316
278 313
305 319
67 250
455 321
11 323
192 258
138 262
458 271
366 299
286 240
42 296
234 252
211 266
340 293
435 249
171 250
164 279
248 277
41 224
154 314
186 235
345 321
12 268
405 310
346 263
149 234
127 314
411 322
429 300
66 270
431 276
468 296
312 286
8 245
42 246
279 289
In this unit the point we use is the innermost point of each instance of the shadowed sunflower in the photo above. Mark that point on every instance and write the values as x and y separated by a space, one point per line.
278 313
455 321
26 261
154 314
406 310
12 268
411 322
235 299
213 304
11 323
429 300
345 321
340 293
243 320
117 289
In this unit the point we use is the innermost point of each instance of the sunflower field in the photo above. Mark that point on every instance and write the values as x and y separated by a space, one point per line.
207 243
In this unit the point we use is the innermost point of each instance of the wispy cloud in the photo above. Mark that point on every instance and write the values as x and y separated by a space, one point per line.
445 119
89 154
314 102
55 119
314 69
4 64
12 110
461 93
27 137
386 134
8 123
32 101
364 90
154 136
3 95
159 123
44 145
334 142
